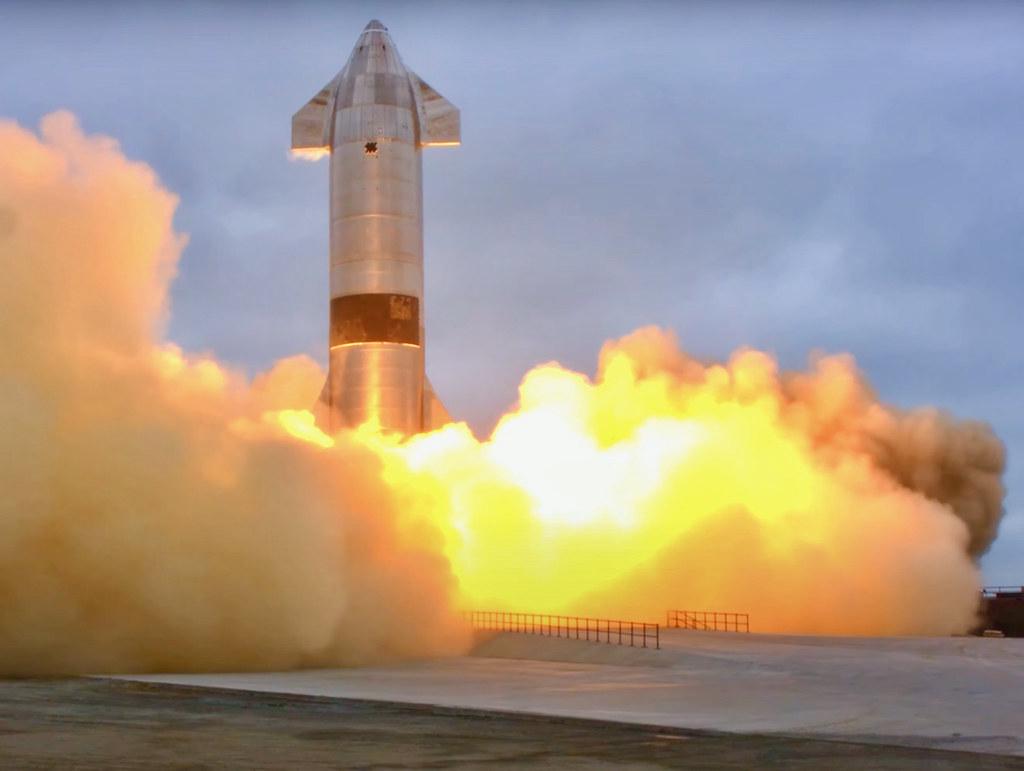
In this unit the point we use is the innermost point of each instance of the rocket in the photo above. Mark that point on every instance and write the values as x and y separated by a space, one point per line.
373 119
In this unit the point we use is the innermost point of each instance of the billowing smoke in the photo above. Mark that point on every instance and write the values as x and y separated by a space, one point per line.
880 527
832 407
160 512
150 518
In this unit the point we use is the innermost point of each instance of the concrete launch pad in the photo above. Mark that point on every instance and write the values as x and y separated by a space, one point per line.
91 724
962 694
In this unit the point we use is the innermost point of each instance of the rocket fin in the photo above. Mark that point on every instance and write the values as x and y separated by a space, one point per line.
434 413
322 408
310 124
439 118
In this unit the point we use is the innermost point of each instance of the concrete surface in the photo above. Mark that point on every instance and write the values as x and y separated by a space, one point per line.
91 724
951 693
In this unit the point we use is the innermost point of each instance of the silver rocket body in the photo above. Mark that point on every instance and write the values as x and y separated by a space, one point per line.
373 119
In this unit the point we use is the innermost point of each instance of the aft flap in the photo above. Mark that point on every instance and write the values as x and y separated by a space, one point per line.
439 118
310 124
434 413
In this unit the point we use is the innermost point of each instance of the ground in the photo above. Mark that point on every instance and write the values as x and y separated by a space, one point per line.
100 724
703 700
955 693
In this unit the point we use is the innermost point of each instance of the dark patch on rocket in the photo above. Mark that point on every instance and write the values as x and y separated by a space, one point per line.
375 318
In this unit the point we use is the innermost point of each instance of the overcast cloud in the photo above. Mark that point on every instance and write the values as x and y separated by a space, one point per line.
845 177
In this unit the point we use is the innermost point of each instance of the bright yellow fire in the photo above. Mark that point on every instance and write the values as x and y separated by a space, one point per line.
663 483
302 425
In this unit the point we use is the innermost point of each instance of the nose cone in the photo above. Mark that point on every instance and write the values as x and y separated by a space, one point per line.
374 53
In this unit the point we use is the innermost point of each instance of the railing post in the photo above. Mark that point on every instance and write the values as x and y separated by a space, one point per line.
708 620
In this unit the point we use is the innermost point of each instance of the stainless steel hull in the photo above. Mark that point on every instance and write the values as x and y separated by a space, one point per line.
373 118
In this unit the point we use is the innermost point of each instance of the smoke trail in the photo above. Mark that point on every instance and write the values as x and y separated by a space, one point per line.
150 518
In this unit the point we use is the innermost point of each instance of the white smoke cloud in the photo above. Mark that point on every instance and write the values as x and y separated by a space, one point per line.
150 520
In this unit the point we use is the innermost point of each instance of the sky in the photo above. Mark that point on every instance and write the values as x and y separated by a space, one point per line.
794 177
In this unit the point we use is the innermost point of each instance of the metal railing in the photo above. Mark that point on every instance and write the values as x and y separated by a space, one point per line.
636 634
1002 591
707 620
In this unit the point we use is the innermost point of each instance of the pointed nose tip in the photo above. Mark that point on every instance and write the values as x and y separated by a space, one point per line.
374 24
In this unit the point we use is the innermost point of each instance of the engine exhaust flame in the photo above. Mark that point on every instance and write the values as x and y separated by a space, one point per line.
310 154
731 486
666 483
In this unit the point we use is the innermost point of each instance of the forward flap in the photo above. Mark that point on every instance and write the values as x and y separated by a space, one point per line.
439 118
310 125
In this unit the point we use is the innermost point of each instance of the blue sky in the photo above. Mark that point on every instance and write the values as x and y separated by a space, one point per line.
796 177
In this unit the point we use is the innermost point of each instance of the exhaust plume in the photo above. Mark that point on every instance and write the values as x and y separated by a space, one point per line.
161 512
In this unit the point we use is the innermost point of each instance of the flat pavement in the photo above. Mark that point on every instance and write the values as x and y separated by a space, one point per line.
944 693
91 724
